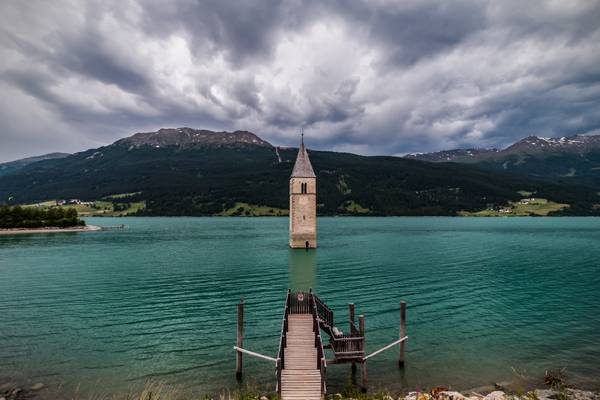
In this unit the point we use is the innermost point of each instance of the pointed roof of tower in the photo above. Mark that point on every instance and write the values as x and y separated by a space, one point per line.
303 168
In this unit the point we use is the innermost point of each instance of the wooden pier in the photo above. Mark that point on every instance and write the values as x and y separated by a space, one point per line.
301 362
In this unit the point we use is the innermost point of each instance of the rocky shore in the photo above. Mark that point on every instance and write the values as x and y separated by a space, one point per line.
10 391
537 394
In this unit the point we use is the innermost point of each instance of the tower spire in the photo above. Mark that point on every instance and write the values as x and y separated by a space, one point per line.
302 167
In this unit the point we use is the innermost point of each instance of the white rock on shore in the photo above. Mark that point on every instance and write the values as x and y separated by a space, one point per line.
575 394
450 395
417 396
540 394
496 395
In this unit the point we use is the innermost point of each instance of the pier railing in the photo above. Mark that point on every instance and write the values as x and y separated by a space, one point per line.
344 346
324 313
321 361
283 340
347 346
300 303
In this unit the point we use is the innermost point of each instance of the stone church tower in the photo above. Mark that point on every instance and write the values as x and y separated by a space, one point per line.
303 202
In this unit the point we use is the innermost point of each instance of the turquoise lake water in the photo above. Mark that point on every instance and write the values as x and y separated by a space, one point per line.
107 311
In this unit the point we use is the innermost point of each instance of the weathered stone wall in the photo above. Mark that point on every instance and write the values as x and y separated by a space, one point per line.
303 213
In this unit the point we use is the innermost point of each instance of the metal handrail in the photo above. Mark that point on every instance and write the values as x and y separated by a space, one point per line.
389 346
254 354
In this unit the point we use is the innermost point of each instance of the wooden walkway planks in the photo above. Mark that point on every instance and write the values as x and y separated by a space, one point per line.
300 379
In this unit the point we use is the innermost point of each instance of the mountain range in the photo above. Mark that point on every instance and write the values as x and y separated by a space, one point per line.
573 159
186 171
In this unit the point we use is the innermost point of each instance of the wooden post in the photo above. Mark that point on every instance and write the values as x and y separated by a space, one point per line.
240 338
351 321
363 364
402 332
361 325
363 376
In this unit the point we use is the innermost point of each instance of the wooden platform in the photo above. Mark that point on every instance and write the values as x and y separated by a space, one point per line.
301 364
300 378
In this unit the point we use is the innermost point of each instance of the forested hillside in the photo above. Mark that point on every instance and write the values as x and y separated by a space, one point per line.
201 178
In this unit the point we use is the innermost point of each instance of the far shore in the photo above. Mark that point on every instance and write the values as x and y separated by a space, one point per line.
21 231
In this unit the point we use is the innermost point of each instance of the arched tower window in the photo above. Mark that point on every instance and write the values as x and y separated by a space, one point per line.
303 188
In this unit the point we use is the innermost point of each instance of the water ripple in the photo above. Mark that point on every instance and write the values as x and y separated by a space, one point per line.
158 300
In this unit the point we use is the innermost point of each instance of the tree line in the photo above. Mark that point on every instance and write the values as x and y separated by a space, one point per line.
32 217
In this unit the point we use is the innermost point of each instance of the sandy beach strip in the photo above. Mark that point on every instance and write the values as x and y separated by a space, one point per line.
20 231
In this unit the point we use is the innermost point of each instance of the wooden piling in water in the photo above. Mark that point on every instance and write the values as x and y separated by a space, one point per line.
350 323
240 338
363 364
402 332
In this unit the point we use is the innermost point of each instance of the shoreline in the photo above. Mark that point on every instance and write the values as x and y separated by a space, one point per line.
24 231
157 390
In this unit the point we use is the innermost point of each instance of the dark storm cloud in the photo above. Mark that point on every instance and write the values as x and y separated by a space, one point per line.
241 30
86 55
366 76
418 29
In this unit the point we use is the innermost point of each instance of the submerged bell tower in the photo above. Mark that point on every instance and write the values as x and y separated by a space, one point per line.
303 202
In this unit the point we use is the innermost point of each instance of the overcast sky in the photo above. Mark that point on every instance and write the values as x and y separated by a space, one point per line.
370 77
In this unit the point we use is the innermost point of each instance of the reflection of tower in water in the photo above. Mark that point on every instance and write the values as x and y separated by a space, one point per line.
302 269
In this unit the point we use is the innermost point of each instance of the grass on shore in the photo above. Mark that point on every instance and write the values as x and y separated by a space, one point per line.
351 207
253 210
554 387
522 208
122 195
98 208
160 391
